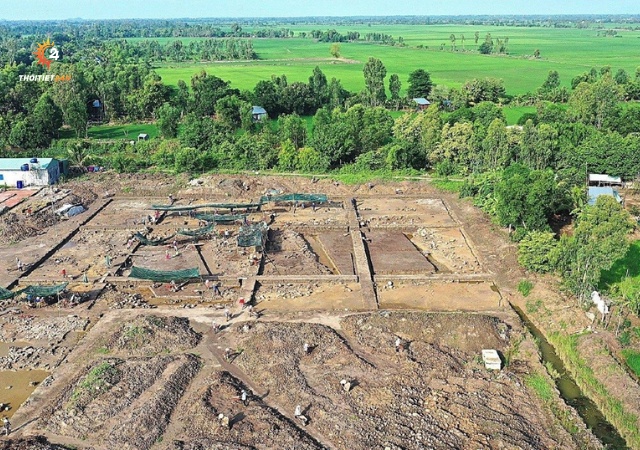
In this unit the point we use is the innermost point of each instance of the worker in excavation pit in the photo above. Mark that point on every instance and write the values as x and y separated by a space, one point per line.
6 426
398 345
227 314
244 397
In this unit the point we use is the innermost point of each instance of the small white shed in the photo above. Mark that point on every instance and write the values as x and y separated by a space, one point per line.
491 359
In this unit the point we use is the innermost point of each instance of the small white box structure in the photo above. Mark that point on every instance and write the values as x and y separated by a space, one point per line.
491 359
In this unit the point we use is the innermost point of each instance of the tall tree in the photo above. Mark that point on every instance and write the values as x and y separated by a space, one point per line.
374 75
394 87
319 87
596 103
420 84
599 239
335 50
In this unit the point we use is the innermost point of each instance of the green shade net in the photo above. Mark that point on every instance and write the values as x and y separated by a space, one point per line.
197 232
205 205
291 198
144 241
164 275
254 235
6 294
221 218
44 291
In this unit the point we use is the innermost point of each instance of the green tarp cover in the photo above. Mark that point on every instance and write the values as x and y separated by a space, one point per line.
44 291
6 294
253 235
310 198
197 232
144 241
221 218
164 275
205 205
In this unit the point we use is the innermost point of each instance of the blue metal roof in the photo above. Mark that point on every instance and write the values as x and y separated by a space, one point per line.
595 192
421 101
258 110
15 163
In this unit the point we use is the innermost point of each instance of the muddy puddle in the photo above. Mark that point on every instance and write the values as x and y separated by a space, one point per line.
318 249
4 346
20 382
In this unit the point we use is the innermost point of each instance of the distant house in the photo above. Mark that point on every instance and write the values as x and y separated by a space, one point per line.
96 110
22 172
422 103
143 137
595 192
596 179
259 113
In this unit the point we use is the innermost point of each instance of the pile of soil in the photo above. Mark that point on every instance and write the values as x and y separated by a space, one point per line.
151 335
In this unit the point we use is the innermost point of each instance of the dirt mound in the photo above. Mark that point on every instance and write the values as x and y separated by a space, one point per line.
126 403
151 335
30 443
14 229
256 425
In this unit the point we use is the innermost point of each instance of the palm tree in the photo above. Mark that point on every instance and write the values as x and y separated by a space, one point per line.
78 154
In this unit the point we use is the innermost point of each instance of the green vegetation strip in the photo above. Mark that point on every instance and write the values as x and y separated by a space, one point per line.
567 349
632 358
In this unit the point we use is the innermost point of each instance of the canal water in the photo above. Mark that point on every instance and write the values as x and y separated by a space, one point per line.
572 395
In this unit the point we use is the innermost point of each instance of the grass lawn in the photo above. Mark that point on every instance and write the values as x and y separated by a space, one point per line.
129 132
569 51
513 113
633 360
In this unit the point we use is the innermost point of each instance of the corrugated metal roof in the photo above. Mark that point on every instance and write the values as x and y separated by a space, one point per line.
15 163
258 110
595 192
421 101
602 178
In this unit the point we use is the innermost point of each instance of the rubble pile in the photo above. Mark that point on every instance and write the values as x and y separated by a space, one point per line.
27 358
125 301
30 328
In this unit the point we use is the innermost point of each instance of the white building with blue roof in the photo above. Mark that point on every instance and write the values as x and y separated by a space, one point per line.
23 172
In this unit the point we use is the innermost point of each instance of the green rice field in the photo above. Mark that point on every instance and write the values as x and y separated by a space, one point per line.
569 51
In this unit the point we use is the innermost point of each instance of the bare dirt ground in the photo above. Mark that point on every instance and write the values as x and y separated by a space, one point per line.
138 366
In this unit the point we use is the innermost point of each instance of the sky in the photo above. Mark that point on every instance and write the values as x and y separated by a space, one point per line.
151 9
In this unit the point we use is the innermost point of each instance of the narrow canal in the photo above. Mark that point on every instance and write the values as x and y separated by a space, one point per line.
571 393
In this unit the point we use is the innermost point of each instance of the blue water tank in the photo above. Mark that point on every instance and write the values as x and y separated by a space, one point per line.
24 167
34 161
19 184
